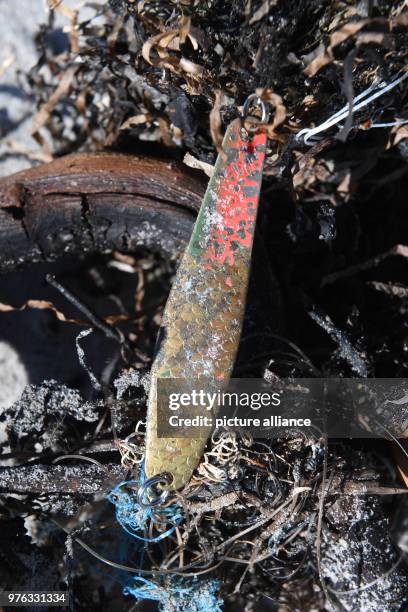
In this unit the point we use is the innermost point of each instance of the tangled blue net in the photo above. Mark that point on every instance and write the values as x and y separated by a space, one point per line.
174 593
133 517
179 594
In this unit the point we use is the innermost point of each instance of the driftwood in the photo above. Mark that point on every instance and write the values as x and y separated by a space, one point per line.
43 479
96 203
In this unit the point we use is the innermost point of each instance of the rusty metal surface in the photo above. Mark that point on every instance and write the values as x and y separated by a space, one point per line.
204 313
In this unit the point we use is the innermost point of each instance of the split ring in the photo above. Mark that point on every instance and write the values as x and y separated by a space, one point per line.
255 101
147 494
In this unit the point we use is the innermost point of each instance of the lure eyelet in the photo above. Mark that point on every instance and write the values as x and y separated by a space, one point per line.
254 101
147 495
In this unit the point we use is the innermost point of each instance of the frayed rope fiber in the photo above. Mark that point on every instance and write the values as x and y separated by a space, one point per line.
179 594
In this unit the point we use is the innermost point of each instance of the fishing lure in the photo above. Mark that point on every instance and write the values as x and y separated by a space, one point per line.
203 317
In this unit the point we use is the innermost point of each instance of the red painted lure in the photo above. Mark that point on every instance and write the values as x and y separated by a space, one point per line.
203 317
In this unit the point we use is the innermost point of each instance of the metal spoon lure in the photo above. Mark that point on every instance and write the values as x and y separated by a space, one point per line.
204 313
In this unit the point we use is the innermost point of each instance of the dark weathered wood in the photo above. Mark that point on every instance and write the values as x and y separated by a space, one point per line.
96 203
85 479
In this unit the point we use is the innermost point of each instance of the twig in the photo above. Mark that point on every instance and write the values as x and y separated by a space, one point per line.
399 249
97 322
43 479
319 527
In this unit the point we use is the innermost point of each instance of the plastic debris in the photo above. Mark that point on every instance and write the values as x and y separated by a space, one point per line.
374 91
